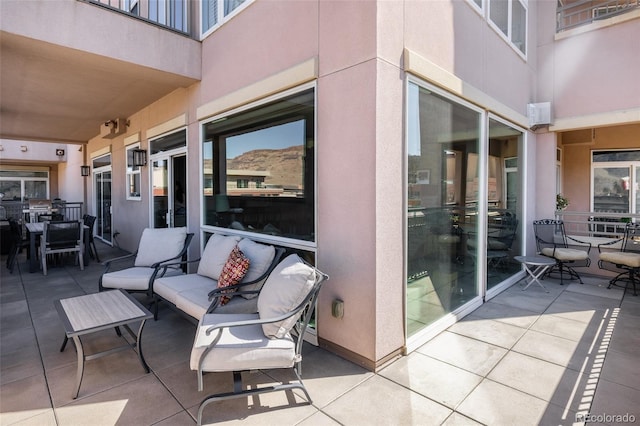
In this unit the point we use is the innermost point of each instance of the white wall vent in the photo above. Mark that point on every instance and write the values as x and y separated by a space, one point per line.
539 115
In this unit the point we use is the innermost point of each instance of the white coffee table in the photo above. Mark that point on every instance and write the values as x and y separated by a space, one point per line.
100 311
535 266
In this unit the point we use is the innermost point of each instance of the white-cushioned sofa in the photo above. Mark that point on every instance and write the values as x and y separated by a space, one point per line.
198 294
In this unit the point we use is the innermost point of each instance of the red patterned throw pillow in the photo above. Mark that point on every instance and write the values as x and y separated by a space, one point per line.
233 271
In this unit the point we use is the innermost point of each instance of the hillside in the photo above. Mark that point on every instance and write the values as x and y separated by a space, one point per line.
285 165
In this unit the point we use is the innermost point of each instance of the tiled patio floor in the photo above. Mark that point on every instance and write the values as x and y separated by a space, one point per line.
523 358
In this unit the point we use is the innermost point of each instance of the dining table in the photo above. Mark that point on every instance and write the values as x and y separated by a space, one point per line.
35 229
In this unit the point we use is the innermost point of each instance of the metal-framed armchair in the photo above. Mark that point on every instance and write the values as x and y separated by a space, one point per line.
61 237
552 241
157 247
89 221
270 339
625 260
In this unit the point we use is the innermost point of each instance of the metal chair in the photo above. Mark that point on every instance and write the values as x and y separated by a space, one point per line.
626 260
156 248
61 237
552 241
271 339
89 222
18 242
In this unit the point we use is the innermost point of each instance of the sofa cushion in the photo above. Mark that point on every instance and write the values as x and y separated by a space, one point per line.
233 350
195 303
261 257
285 288
233 271
215 255
160 244
135 278
169 287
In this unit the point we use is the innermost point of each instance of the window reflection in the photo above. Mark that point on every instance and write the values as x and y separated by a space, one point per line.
259 169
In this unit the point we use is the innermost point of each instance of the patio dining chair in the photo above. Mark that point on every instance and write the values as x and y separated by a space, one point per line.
61 237
552 241
270 339
18 242
157 246
625 260
89 221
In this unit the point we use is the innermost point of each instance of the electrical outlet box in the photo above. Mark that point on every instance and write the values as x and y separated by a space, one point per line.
337 308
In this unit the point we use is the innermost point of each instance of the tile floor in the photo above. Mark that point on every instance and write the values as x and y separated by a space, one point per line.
523 358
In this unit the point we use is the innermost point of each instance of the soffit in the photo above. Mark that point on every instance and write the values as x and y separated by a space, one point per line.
49 92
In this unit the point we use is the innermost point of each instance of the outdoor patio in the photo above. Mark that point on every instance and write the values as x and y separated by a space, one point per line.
523 358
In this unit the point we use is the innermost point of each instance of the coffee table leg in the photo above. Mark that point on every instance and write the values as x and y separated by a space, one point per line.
80 351
139 346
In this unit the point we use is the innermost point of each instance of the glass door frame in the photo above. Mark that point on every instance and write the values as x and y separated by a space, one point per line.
168 157
96 206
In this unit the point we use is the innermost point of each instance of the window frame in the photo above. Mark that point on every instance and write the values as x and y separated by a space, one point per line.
509 36
222 18
291 242
634 169
130 172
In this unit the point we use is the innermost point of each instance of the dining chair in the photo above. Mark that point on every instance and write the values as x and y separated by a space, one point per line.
61 237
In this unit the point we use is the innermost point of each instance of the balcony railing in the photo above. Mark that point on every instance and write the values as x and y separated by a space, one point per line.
596 227
571 14
171 15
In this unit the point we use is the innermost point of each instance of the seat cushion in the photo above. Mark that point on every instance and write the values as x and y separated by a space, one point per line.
215 255
286 287
160 244
631 260
195 302
135 278
240 348
565 254
169 287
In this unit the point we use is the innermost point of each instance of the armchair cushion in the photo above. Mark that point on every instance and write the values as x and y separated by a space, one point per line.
233 352
195 303
215 255
631 260
233 271
260 257
286 287
565 254
159 244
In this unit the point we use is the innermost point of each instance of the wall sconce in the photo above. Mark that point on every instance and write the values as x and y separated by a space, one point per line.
85 170
139 157
23 148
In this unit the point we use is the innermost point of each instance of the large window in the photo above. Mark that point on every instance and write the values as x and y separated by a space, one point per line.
22 185
616 181
510 18
217 12
259 171
464 212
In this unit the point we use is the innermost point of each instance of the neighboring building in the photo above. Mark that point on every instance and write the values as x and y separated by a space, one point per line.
395 139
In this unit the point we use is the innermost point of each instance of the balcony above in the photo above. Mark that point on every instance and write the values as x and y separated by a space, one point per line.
575 13
69 66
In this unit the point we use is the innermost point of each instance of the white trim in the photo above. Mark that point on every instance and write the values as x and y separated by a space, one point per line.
273 85
221 18
608 118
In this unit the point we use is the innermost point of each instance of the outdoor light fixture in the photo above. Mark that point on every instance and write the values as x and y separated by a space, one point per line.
85 170
139 157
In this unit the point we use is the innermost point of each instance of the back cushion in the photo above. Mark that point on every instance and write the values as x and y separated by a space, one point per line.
160 244
215 255
286 287
260 257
